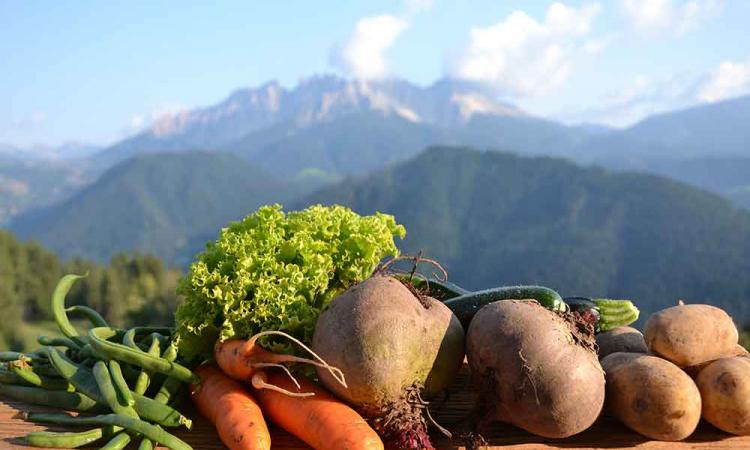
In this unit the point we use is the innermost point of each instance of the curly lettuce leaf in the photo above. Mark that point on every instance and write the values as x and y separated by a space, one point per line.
277 271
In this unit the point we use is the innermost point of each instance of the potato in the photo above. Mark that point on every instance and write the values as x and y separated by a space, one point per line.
620 339
652 396
534 369
725 389
689 335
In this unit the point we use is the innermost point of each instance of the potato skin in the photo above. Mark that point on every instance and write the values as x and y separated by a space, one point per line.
688 335
725 389
531 372
385 340
620 339
652 396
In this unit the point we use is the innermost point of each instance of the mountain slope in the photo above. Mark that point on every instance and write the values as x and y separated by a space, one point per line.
161 204
314 100
495 218
29 184
708 130
360 142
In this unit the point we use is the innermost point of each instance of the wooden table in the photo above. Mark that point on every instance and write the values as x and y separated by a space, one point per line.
607 433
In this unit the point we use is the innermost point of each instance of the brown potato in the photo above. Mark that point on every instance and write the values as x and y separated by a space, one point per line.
620 339
725 390
690 335
651 396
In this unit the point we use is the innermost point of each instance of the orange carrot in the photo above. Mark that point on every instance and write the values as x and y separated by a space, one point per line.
232 409
321 421
242 359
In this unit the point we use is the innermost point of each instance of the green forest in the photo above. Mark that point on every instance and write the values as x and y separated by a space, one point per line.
130 289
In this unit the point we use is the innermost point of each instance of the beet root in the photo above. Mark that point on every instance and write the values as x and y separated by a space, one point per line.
535 368
393 347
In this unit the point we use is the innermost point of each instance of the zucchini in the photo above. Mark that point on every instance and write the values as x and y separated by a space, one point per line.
465 306
611 313
440 290
615 313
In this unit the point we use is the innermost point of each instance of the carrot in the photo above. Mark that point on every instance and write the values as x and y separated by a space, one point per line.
232 409
242 359
321 421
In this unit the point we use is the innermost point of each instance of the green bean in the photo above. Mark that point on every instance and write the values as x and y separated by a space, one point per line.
118 442
93 316
121 386
149 431
99 336
144 378
9 377
83 379
74 401
170 385
57 342
26 372
52 439
46 370
10 356
58 307
108 391
87 351
146 444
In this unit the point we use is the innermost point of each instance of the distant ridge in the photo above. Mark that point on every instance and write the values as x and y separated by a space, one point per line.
166 205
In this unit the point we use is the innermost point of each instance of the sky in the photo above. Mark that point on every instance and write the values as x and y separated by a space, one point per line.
97 72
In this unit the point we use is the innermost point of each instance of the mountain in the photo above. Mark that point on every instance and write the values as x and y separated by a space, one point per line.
707 130
162 204
728 176
497 218
315 100
741 197
26 184
64 151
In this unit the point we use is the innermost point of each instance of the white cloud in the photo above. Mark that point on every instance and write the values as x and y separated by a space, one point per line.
363 56
728 80
596 45
641 97
656 16
523 56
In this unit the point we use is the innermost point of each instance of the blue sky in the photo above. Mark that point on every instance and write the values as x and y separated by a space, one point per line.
98 71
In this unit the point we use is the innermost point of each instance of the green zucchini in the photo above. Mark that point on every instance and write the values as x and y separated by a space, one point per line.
441 290
615 313
465 306
611 313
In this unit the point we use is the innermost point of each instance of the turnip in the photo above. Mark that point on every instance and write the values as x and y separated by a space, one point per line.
393 345
535 368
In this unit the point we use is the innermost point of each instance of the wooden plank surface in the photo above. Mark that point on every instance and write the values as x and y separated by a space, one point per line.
607 433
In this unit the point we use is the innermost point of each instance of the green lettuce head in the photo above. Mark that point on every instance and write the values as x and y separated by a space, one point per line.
277 271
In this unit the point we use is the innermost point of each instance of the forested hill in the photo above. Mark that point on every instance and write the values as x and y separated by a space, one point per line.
162 204
496 218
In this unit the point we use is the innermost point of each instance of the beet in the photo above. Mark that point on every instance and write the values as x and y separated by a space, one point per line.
535 368
394 346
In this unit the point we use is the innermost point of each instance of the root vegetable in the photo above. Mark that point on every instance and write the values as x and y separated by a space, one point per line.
391 345
725 389
534 368
652 396
231 408
620 339
688 335
319 420
245 359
